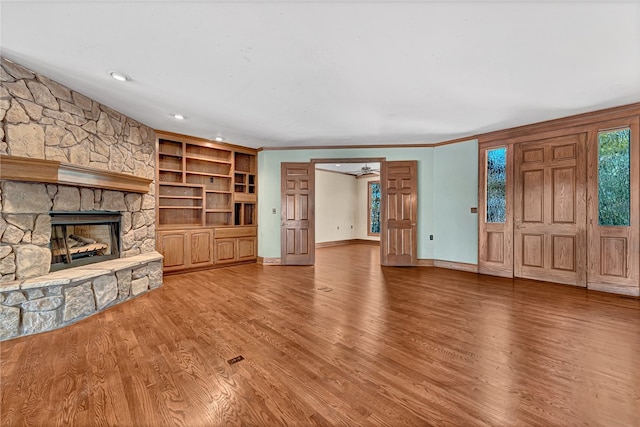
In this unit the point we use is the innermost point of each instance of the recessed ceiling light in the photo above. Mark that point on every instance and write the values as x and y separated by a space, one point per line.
179 116
119 76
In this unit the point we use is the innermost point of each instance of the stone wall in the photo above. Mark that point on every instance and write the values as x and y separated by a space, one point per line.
45 120
42 119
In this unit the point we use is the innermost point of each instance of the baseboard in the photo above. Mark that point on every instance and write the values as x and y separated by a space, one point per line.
632 291
268 261
347 242
451 265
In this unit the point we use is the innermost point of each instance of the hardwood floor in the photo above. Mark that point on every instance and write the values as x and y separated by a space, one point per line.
341 343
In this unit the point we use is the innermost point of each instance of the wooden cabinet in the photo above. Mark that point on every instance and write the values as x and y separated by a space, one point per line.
247 249
172 245
203 185
235 244
201 248
183 249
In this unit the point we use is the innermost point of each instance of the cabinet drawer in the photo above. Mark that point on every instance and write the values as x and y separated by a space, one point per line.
224 233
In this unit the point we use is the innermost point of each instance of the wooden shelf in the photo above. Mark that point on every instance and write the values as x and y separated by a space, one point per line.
169 170
180 197
163 153
204 159
207 174
28 169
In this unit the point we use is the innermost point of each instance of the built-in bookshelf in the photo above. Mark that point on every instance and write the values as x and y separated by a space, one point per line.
203 185
244 187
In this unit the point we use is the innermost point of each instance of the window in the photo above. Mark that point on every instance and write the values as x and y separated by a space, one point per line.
614 177
497 185
374 208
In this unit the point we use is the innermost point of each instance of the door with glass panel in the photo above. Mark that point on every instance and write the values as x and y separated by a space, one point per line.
613 207
550 237
495 221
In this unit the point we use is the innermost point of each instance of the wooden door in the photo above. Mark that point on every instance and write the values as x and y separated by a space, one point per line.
614 263
398 235
495 219
550 210
297 230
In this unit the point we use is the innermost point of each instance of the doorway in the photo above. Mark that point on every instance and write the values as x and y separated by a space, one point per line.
398 237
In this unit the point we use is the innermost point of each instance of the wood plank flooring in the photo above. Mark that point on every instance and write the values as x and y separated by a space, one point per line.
342 343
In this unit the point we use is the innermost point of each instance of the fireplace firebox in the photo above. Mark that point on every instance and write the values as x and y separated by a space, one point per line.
81 238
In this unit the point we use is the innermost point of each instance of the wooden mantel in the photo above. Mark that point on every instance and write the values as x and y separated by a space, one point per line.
29 169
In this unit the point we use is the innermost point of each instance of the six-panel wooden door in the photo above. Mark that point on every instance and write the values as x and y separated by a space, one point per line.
297 237
550 237
399 215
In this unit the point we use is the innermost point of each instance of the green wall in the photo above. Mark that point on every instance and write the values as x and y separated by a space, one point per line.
269 194
455 177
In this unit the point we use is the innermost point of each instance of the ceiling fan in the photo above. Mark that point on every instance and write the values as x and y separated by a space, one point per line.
365 170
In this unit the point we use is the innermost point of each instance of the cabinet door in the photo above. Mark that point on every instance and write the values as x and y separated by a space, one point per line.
246 248
225 250
201 253
173 246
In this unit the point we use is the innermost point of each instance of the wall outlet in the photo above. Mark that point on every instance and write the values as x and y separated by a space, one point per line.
430 236
338 227
273 211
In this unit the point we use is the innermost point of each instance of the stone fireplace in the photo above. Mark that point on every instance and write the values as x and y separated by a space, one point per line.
64 155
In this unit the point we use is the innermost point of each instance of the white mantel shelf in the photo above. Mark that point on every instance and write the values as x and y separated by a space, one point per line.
14 168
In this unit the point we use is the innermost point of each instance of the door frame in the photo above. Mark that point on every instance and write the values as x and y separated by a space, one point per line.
334 160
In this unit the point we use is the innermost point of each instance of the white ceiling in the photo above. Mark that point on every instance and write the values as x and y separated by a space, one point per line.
299 73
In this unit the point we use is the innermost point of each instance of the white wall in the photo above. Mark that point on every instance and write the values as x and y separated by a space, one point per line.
447 189
362 209
336 203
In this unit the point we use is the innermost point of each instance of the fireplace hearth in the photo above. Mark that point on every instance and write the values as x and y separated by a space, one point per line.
81 238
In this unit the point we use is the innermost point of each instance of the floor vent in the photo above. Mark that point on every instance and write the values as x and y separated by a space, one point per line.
324 289
235 360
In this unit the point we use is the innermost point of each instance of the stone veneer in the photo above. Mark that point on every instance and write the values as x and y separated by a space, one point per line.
64 297
42 119
25 225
